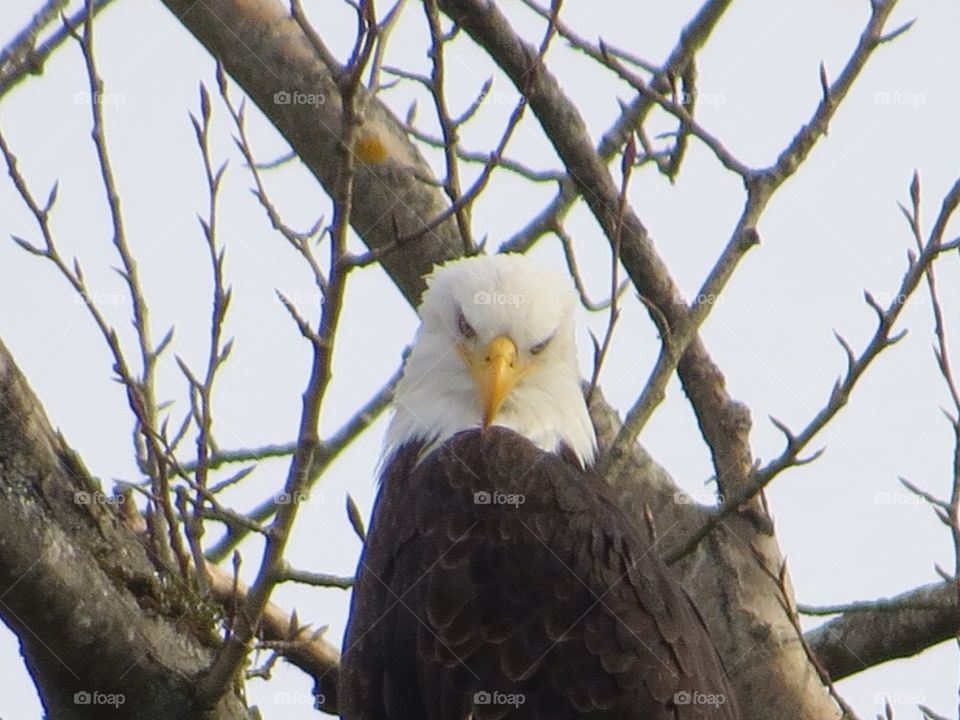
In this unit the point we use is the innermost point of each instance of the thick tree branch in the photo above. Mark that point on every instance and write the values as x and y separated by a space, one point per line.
870 633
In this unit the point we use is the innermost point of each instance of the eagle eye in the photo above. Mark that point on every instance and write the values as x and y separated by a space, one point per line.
540 346
464 327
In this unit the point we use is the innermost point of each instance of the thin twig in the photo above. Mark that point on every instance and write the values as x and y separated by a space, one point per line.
948 512
592 50
302 242
316 579
601 349
448 127
681 112
154 462
566 242
383 35
218 351
514 166
467 199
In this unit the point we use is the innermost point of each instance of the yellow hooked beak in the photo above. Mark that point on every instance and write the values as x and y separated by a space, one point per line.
496 370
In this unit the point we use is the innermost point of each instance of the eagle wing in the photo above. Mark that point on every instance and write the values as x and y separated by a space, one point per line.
500 582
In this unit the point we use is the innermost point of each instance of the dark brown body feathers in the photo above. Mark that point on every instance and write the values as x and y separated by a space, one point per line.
543 603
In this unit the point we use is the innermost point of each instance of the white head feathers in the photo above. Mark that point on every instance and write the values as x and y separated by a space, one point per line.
495 346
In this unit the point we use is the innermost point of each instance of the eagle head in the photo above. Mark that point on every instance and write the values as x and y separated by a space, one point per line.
496 346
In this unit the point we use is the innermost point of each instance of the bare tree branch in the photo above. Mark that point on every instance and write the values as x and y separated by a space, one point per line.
483 158
201 391
24 55
947 512
870 633
786 599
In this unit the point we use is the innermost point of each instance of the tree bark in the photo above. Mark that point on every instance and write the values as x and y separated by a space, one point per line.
100 635
870 633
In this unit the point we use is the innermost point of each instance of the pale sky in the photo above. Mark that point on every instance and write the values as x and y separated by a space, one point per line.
849 530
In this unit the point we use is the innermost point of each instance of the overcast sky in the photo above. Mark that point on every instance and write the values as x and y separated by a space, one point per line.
848 529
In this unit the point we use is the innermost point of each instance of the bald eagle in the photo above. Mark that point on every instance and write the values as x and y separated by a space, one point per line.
499 579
